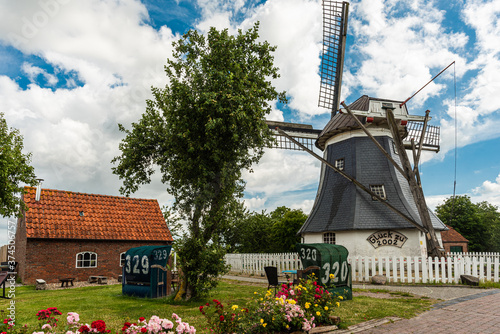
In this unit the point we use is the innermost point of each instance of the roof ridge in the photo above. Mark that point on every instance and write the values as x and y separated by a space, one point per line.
91 194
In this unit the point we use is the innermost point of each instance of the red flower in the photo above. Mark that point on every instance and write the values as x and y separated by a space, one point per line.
221 318
84 329
99 325
144 330
142 319
54 310
317 296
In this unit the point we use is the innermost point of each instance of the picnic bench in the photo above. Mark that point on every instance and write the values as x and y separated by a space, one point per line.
98 279
66 281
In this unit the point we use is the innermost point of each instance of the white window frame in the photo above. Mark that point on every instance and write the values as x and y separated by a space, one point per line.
340 163
80 260
328 237
378 189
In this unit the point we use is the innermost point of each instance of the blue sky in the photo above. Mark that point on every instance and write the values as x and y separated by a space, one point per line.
70 71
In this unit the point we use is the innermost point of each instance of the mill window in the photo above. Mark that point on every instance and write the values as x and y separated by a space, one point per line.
339 163
379 190
329 238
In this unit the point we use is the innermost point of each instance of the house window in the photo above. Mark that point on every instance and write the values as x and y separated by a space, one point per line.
122 259
86 260
329 238
456 249
379 190
339 164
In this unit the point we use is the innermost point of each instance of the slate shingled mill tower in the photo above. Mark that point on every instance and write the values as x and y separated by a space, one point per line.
369 198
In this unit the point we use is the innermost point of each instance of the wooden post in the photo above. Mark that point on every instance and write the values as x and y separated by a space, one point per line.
433 247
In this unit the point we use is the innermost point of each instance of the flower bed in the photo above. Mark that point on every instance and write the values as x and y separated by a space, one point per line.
294 308
49 324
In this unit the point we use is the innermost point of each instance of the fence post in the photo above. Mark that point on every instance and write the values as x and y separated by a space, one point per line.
449 267
425 273
408 269
496 269
417 269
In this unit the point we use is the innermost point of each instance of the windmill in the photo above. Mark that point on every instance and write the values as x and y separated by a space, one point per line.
369 194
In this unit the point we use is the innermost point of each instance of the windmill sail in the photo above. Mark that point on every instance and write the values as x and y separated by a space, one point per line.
431 138
335 15
303 133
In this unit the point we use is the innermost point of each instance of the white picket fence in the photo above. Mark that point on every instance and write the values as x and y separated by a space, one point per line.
396 269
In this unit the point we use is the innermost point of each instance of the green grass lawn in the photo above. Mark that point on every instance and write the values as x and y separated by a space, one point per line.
107 303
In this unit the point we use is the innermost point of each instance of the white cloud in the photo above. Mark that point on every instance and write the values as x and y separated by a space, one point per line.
281 171
305 206
255 203
400 53
33 72
293 26
488 191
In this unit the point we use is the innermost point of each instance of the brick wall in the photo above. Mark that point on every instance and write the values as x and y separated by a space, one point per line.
447 246
52 259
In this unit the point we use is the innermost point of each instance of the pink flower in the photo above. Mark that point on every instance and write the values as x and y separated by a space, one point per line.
73 318
167 324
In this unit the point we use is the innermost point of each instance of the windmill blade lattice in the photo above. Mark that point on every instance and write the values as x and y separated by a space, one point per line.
431 138
335 15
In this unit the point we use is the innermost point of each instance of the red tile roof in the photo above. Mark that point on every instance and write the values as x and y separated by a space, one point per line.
69 215
452 235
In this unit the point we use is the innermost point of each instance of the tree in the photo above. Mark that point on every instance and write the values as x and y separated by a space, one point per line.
287 224
479 223
15 169
267 233
202 130
254 233
490 216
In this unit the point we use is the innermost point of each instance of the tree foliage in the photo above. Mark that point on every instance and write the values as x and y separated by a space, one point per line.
15 169
275 232
479 223
285 229
202 130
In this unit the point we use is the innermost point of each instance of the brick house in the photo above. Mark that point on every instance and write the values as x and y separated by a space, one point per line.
68 234
453 241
